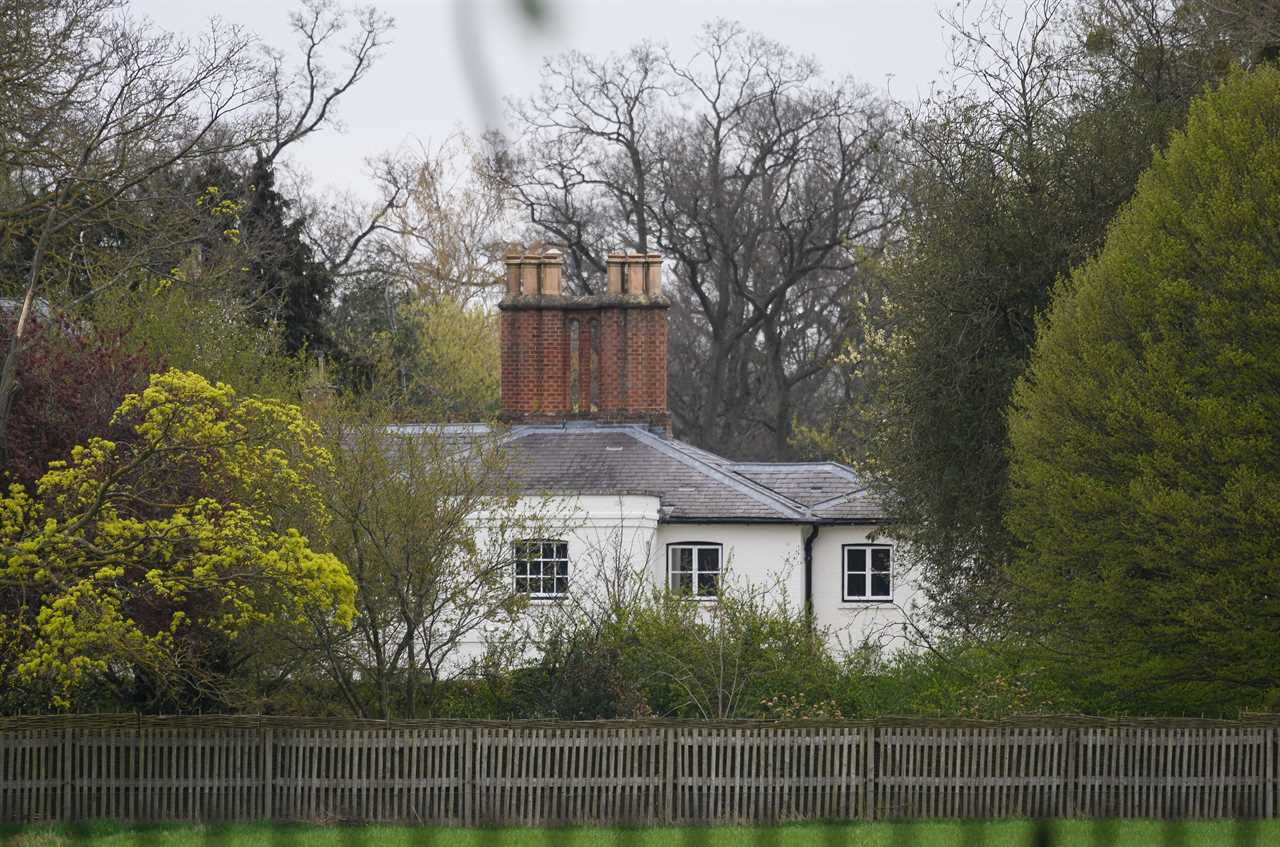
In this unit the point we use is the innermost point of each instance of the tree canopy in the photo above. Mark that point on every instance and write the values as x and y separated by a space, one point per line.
144 564
1146 432
1014 170
768 189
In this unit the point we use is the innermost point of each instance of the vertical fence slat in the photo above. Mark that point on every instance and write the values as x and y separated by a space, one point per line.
548 774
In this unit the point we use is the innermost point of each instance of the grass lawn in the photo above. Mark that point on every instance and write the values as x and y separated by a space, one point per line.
926 834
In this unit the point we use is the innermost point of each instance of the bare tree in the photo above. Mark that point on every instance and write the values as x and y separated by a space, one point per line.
128 103
767 188
1167 48
422 518
445 235
437 253
303 101
103 107
302 98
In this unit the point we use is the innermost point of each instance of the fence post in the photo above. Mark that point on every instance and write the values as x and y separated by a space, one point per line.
869 773
668 775
268 774
65 811
1269 769
1069 781
469 738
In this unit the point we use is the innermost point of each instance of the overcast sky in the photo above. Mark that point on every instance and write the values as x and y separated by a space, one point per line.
420 90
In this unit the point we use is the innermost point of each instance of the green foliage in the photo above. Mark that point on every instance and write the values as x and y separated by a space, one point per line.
439 363
1146 433
426 522
1016 173
956 678
182 325
745 655
731 660
154 563
286 283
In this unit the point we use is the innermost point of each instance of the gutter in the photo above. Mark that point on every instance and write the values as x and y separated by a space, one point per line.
809 538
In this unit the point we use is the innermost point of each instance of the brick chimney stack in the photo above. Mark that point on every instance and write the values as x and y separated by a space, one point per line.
600 357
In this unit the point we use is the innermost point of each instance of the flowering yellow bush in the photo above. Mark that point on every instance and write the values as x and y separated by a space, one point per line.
154 553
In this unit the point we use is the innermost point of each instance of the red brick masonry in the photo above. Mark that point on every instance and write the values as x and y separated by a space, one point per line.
621 347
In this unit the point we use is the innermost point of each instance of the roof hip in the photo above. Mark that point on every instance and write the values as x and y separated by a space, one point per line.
768 497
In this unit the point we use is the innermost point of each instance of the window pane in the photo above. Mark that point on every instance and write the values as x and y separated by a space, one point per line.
681 582
709 559
707 582
855 559
880 559
879 585
682 558
541 567
857 585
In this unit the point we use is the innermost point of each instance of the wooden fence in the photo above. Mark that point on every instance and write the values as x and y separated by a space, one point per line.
247 768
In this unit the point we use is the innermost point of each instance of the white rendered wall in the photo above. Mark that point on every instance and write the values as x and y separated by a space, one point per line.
772 555
609 535
762 555
603 533
850 624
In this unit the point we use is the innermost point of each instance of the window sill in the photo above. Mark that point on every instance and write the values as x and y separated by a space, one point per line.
866 601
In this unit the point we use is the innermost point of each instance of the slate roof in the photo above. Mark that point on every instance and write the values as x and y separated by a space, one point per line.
691 484
809 483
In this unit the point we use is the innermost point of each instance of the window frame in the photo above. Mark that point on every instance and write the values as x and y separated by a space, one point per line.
868 598
695 546
517 558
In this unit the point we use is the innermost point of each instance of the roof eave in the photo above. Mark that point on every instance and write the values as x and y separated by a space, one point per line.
740 519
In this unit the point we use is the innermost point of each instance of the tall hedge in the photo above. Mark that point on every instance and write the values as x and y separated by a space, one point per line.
1146 433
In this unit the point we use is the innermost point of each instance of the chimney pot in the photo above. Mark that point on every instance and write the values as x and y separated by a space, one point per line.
529 274
512 262
618 342
653 274
616 270
551 271
635 273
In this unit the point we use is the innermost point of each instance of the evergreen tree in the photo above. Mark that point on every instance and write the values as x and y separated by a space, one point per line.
1146 433
1017 172
286 282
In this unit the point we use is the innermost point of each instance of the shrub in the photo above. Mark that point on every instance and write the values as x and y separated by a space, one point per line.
1146 434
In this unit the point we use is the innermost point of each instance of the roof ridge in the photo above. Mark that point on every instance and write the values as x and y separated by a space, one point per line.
846 471
808 464
694 450
839 468
811 509
845 496
759 492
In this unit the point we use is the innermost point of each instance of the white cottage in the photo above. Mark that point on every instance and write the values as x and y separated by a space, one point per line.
584 389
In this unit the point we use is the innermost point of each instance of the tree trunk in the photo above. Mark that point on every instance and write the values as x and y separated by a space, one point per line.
714 394
9 372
